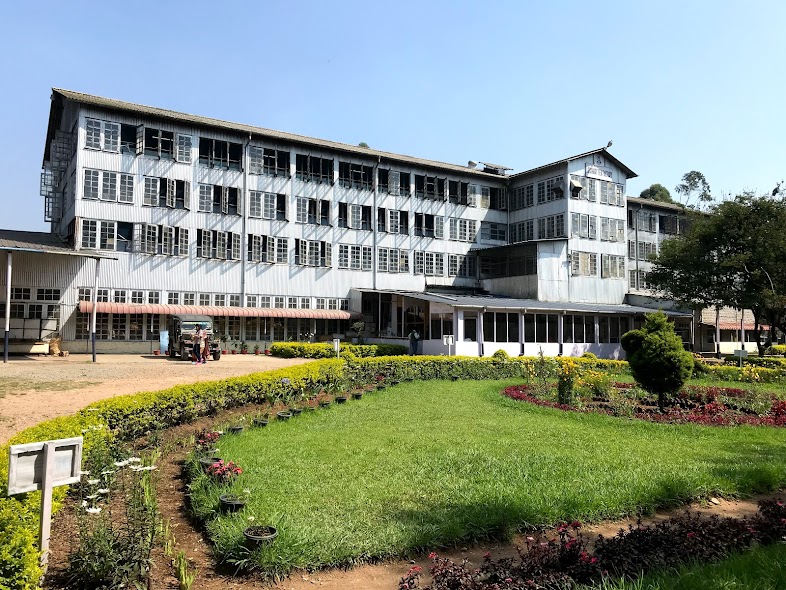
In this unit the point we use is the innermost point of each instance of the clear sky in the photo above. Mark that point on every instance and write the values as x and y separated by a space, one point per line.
677 86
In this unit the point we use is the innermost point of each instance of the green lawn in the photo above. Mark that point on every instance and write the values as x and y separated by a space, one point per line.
427 464
758 569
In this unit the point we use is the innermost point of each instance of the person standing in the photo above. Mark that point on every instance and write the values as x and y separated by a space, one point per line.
413 341
198 333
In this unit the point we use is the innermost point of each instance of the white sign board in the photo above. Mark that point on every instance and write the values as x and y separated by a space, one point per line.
741 353
447 340
42 466
26 465
336 345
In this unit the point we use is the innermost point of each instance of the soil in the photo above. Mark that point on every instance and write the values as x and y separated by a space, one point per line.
36 388
84 382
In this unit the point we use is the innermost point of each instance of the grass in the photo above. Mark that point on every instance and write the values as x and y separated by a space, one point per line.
426 465
758 569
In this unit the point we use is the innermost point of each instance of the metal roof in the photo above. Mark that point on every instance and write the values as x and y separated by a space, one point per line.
658 204
213 311
628 172
199 121
498 302
41 243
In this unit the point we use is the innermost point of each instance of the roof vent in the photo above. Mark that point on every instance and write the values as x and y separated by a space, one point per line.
472 164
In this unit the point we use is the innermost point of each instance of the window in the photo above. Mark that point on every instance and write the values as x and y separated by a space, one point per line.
20 293
583 226
429 263
119 296
217 153
584 264
137 297
312 211
204 299
103 135
234 300
282 256
313 169
91 184
355 176
173 298
183 148
268 161
612 230
612 266
154 297
48 295
220 300
189 298
313 253
493 231
500 327
258 248
159 143
98 235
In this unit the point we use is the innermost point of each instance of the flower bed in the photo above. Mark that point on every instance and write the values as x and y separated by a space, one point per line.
567 560
708 406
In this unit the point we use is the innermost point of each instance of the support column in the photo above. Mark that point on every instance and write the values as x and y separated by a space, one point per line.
717 333
9 266
95 311
560 328
479 331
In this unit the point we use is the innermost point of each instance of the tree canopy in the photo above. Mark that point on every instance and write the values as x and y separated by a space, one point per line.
694 189
730 256
657 192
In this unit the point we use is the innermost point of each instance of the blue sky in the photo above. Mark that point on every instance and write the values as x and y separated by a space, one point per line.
677 86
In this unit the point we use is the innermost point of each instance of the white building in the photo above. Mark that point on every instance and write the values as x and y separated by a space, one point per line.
285 237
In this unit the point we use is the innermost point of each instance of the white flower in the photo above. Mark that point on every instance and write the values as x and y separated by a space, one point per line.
93 510
92 496
121 463
134 460
84 503
84 430
108 472
103 490
136 468
93 482
84 473
148 468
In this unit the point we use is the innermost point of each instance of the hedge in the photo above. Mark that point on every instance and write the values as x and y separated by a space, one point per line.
326 350
769 362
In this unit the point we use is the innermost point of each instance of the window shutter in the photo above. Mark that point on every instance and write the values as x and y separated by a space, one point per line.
167 240
225 201
593 265
235 246
140 140
171 189
394 183
301 211
574 263
303 252
328 254
183 242
187 195
593 227
137 238
604 228
240 201
207 243
575 222
472 199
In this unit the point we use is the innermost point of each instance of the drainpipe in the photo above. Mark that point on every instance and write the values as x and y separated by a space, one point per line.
9 266
243 236
374 227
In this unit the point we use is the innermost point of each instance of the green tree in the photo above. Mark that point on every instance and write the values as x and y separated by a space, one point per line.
657 192
657 358
694 187
731 256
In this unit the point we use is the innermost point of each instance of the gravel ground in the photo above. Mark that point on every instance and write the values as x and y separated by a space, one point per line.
36 388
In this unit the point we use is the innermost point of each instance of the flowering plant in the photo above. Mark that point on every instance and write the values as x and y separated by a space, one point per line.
224 471
206 439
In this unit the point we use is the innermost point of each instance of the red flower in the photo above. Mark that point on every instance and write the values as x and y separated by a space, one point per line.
432 555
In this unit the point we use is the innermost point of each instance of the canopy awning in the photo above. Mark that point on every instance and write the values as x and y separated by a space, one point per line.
735 326
213 311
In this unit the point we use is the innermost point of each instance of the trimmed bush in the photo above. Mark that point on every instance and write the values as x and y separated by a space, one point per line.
326 350
778 349
657 358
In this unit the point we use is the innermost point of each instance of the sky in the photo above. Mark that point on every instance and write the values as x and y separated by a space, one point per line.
677 86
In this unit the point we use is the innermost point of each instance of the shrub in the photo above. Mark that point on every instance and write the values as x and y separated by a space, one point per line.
565 380
657 358
588 355
778 349
500 355
326 350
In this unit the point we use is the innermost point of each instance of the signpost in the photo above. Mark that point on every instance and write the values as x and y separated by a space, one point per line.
336 345
42 466
447 340
742 354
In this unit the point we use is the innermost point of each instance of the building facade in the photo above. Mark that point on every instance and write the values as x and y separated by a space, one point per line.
285 237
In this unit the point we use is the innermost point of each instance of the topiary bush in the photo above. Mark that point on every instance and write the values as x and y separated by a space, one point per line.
657 358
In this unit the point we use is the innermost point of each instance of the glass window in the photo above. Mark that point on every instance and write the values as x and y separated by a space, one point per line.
529 327
470 326
540 328
552 328
488 326
589 329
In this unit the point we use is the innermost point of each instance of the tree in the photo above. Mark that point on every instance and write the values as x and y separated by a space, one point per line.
657 192
657 358
731 256
694 186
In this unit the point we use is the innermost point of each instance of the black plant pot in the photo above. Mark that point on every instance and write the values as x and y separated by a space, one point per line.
284 415
260 422
357 395
381 387
325 403
340 399
260 534
206 462
296 411
231 503
235 429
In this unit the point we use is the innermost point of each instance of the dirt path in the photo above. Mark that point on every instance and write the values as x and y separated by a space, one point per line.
37 388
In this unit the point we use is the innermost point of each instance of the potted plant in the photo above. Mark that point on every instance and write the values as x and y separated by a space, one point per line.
256 349
260 534
261 421
209 461
224 471
233 502
236 429
284 415
224 339
243 348
234 347
206 441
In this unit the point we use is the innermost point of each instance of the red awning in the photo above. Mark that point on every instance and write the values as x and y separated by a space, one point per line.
253 312
736 326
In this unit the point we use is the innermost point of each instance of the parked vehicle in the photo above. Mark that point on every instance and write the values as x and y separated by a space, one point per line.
181 336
